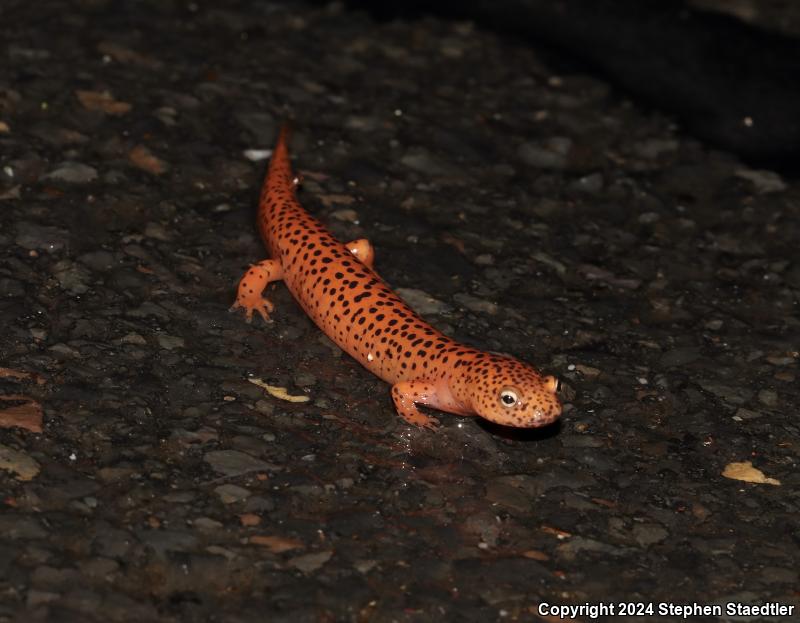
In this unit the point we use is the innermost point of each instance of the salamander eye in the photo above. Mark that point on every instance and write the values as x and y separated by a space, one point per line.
508 397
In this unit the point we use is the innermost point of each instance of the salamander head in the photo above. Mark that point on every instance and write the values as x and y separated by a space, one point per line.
506 391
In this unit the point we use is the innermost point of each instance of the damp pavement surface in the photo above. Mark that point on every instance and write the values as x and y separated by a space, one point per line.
520 209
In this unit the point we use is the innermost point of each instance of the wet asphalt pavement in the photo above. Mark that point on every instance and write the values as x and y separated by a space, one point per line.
519 209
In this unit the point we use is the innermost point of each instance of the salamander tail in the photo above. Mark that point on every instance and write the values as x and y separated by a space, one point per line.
279 166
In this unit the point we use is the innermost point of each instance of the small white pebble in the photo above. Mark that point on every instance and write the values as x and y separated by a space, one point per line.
642 380
370 357
257 155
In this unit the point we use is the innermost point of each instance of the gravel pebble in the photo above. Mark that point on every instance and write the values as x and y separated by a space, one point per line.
228 493
234 463
422 302
42 237
308 563
72 173
549 154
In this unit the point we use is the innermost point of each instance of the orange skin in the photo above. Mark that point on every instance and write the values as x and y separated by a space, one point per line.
337 287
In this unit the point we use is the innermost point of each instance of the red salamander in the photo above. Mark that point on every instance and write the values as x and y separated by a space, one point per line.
337 287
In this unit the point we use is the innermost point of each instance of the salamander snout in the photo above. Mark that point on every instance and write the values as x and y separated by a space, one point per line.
512 393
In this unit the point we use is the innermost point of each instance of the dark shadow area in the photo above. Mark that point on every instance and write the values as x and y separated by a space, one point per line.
526 435
729 84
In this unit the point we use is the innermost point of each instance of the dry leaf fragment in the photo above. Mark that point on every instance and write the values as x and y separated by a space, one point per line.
329 200
276 544
249 519
746 472
143 158
313 175
127 56
556 532
457 243
8 373
279 392
19 463
588 371
27 415
534 554
103 102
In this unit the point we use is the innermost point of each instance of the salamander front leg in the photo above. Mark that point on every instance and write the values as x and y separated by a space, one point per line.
252 285
363 250
407 394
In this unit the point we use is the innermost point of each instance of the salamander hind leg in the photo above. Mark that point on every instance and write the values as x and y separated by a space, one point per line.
363 250
252 285
407 394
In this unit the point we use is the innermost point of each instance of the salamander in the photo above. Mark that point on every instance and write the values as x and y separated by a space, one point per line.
338 288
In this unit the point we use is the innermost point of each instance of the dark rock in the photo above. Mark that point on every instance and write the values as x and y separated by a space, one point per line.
234 463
